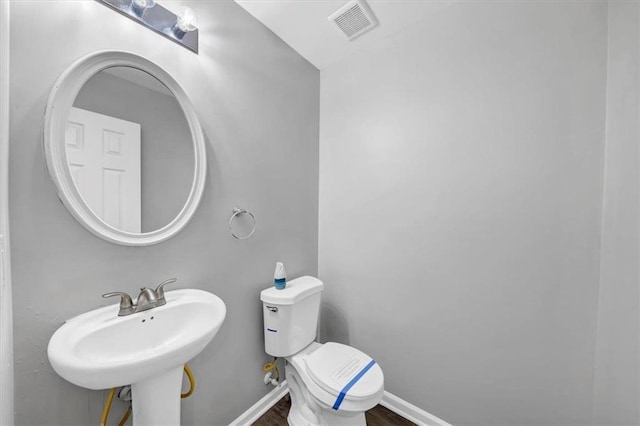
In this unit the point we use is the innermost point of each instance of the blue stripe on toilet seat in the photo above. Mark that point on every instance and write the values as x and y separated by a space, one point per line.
349 385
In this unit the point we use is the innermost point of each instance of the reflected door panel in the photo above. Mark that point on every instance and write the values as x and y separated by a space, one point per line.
103 154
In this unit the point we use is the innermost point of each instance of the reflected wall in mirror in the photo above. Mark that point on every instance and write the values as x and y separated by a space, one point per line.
124 148
129 150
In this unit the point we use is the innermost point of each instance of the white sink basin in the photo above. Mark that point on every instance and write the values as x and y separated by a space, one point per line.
99 349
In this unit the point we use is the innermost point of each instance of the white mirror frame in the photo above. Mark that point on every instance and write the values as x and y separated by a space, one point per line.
59 105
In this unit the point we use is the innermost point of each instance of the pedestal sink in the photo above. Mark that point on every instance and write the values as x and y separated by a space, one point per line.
100 350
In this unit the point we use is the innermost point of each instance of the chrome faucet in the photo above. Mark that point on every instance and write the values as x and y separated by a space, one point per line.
147 299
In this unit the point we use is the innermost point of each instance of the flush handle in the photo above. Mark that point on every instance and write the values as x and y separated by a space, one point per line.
272 308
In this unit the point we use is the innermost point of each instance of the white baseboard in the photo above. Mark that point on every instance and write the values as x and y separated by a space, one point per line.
262 406
410 411
389 400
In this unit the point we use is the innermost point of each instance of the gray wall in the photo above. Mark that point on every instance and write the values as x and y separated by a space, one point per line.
616 371
6 299
461 170
258 104
167 160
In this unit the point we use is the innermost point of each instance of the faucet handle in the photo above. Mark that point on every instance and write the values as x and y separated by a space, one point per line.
126 304
160 290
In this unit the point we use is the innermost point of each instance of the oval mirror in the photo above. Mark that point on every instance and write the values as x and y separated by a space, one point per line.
124 148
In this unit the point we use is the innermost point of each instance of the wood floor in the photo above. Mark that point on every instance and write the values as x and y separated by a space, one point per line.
377 416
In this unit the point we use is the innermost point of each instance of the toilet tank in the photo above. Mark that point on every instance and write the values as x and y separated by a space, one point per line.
291 316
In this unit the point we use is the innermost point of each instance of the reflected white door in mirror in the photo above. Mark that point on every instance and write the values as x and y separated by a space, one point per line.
106 174
124 148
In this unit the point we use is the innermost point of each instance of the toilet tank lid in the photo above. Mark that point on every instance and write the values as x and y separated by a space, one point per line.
295 291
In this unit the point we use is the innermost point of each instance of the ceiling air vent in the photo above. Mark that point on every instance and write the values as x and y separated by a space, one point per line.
354 19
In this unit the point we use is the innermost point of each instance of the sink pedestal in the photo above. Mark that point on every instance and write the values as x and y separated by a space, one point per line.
156 401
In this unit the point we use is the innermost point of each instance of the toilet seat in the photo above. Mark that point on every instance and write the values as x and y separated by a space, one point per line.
340 376
334 366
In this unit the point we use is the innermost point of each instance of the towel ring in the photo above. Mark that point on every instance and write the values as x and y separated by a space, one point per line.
237 211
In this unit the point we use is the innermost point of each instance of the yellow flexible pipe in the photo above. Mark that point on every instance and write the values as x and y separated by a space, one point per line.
107 404
107 407
125 417
192 382
272 366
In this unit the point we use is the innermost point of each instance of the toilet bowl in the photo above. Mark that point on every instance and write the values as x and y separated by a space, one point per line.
329 384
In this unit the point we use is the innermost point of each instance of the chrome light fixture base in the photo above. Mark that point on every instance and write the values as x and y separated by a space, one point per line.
157 19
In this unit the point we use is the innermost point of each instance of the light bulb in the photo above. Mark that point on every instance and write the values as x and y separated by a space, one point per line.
145 3
186 21
138 7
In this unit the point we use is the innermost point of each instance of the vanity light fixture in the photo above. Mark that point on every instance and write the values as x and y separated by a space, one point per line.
180 27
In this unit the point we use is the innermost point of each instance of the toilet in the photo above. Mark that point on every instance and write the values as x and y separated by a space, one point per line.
329 384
